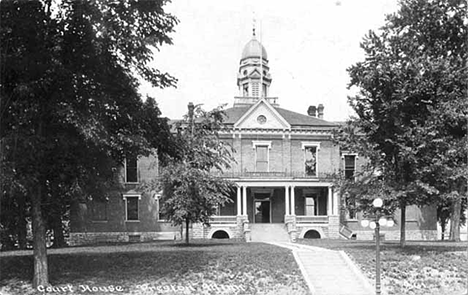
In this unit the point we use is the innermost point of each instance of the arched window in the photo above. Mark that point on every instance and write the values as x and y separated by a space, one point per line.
312 234
220 234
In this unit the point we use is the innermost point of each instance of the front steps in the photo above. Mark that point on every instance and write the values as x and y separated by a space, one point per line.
269 232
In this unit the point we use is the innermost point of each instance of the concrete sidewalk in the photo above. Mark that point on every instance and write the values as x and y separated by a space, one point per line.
329 272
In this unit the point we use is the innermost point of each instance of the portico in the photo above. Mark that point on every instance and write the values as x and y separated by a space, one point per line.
278 201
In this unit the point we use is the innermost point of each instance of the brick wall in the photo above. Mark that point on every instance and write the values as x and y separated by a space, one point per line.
286 153
84 222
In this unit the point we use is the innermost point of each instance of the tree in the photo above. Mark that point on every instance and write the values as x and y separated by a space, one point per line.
192 192
411 105
70 109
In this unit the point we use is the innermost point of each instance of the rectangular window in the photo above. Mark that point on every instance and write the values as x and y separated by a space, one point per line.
161 215
132 207
311 160
261 164
310 206
99 210
350 166
131 169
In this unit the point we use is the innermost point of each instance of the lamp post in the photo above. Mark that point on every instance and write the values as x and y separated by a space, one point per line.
377 219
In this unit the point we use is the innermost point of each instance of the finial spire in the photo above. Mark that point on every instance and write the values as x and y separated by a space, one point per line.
254 21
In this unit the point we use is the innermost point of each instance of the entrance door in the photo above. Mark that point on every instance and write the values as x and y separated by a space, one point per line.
262 210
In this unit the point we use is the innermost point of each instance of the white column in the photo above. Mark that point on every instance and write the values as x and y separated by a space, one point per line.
244 201
286 199
239 208
293 201
330 202
336 202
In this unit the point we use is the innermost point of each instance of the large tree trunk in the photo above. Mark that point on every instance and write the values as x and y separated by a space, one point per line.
403 224
455 220
41 273
187 223
22 223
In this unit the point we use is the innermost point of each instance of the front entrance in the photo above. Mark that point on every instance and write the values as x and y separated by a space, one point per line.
262 209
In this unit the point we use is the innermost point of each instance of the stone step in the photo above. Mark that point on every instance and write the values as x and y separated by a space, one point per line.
268 232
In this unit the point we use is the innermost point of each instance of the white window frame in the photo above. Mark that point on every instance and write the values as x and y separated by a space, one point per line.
356 157
157 196
125 172
125 197
255 144
316 144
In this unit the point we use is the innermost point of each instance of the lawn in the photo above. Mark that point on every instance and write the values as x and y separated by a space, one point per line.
205 267
421 268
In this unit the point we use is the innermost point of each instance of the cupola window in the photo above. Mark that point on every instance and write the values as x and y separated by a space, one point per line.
245 89
255 89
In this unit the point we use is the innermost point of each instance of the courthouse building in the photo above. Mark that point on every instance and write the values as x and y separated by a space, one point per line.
285 163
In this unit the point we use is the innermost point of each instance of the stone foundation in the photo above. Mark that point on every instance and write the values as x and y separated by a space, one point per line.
290 221
200 231
77 239
326 231
304 228
411 235
334 227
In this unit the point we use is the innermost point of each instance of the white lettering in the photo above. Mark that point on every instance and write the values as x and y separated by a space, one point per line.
119 289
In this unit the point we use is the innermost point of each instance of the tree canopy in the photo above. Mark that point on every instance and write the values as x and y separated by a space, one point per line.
70 107
191 189
411 102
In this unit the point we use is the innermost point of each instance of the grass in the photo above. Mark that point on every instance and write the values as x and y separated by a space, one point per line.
205 267
421 268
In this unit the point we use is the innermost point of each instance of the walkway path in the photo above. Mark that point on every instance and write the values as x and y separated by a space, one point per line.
329 272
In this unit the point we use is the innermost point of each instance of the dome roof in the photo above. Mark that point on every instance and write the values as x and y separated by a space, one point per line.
254 49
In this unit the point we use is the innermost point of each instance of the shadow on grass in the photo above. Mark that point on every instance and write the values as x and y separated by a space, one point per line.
116 266
132 262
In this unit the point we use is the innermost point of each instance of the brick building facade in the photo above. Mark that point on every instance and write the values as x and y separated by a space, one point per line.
283 173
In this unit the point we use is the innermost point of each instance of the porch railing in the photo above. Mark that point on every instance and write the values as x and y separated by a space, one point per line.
303 219
275 174
223 219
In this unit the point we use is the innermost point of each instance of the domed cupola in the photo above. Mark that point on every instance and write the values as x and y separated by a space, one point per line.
254 49
254 77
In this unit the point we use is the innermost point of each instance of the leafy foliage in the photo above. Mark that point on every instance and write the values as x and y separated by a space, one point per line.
192 192
70 110
411 105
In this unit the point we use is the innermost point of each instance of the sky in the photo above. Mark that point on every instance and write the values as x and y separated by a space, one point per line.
310 44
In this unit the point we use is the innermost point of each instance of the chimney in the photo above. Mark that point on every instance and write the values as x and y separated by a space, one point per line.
191 107
312 111
320 111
